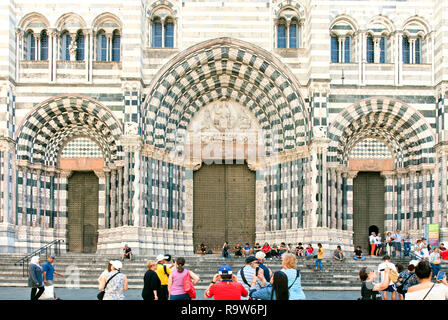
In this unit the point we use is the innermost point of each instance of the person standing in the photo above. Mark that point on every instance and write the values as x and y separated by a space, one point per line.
435 260
379 245
117 282
289 267
151 282
372 241
382 269
48 272
225 286
246 273
397 239
407 244
369 290
35 279
320 256
426 289
260 257
225 250
276 289
163 272
406 279
388 244
176 281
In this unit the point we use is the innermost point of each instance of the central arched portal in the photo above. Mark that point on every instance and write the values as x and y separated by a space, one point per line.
224 205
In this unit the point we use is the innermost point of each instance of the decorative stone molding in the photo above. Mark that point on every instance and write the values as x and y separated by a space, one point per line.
131 143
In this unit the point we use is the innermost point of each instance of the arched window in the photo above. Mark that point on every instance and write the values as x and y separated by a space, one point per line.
101 54
294 34
370 50
80 46
30 46
281 34
169 34
116 46
334 49
43 45
406 51
157 33
66 40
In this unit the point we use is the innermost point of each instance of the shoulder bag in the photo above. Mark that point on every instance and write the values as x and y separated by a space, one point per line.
188 286
100 294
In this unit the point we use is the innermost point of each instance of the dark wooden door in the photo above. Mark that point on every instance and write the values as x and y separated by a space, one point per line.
83 212
223 205
368 207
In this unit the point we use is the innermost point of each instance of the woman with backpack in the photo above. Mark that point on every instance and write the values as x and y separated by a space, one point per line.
177 281
289 267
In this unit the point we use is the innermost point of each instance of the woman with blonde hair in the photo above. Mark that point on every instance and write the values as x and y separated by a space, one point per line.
151 282
289 267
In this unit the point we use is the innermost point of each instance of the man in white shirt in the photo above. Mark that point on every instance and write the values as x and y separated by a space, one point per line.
379 244
397 239
372 241
381 269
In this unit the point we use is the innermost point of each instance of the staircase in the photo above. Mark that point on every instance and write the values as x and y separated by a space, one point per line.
335 276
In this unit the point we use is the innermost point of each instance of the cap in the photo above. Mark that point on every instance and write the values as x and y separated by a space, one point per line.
414 262
116 264
260 255
225 270
168 257
250 259
161 257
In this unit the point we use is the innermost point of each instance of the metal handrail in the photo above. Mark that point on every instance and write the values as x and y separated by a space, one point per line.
47 248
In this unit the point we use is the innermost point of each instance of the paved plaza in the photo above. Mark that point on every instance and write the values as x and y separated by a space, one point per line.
23 293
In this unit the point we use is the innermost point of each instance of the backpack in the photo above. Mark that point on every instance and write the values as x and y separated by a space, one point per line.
188 286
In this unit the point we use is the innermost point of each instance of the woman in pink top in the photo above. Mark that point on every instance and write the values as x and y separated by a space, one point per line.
176 281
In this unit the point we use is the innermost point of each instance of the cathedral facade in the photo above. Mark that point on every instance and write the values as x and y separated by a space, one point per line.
165 124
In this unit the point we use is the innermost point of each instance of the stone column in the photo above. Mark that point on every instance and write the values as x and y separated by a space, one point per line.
25 195
350 176
132 145
107 187
339 196
113 197
18 53
7 211
61 220
318 151
101 174
38 197
333 199
412 199
388 199
119 221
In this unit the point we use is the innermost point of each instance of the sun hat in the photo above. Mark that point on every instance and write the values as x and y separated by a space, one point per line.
161 257
116 264
260 255
251 259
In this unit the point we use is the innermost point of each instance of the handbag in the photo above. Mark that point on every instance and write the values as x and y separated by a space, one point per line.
100 294
48 293
188 286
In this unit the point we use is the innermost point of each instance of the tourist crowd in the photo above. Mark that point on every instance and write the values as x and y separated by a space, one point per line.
168 279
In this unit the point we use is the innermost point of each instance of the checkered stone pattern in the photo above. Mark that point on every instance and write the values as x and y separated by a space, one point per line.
318 111
160 3
442 117
370 149
284 193
56 121
226 69
131 108
81 148
404 130
289 3
164 194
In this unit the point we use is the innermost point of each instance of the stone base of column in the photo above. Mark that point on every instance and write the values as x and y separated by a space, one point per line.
23 239
329 238
145 241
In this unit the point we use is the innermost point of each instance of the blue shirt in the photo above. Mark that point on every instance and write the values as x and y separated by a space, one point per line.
295 292
48 267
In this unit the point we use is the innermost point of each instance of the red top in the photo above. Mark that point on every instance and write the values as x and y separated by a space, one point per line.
309 250
227 290
266 249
